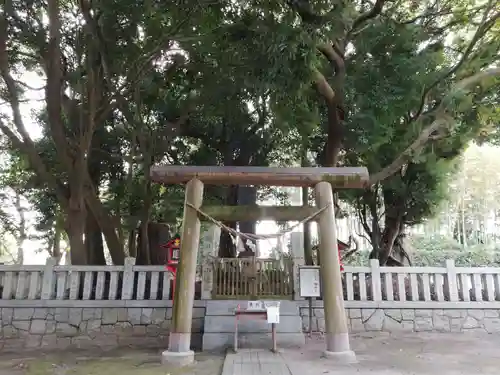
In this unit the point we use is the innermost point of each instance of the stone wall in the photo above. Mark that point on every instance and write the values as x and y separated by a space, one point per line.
64 328
411 320
51 328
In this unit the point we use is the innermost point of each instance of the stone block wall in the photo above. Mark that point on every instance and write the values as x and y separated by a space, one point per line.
411 320
65 328
58 328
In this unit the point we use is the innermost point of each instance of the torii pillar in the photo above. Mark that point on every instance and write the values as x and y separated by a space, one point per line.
336 331
179 351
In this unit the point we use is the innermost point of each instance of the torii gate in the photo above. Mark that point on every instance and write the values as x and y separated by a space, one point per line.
322 179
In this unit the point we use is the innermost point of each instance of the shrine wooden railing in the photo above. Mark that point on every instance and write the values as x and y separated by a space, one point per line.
252 278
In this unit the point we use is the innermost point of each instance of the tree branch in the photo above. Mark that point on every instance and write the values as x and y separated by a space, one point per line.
53 94
362 214
25 144
36 162
372 13
333 56
478 35
441 119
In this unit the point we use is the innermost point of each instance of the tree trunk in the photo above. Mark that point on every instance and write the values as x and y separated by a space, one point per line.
93 232
107 225
335 133
373 230
384 241
398 256
56 244
75 228
308 252
132 243
157 235
393 229
143 248
247 196
388 248
333 94
227 249
93 241
21 236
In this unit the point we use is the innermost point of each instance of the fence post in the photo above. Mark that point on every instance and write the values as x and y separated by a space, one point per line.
452 280
375 280
48 279
207 280
128 278
297 262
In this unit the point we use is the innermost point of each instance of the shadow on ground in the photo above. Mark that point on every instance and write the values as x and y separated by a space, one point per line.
117 362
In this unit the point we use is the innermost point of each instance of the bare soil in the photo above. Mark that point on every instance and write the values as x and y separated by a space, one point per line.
117 362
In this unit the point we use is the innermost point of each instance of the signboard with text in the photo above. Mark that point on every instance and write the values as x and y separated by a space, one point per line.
309 282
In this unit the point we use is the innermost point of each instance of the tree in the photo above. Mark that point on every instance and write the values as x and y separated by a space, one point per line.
14 200
415 104
470 213
94 65
238 83
234 121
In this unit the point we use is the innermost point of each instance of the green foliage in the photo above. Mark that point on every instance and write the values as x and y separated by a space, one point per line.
232 83
435 250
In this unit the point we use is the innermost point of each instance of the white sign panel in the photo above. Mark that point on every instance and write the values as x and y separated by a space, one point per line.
309 282
273 314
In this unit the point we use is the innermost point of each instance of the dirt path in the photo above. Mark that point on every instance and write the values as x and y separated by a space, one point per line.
410 354
119 362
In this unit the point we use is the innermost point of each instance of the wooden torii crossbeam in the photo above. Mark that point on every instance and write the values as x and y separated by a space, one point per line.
345 177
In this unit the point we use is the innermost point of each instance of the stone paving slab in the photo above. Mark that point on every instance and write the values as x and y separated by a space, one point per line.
255 362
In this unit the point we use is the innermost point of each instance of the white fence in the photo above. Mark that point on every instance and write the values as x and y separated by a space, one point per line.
425 287
422 286
69 284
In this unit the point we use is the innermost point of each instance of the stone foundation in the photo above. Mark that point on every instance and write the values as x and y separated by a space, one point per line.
411 320
105 328
58 328
220 325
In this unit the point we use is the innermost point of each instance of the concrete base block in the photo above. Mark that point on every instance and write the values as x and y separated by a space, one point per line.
346 357
177 359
